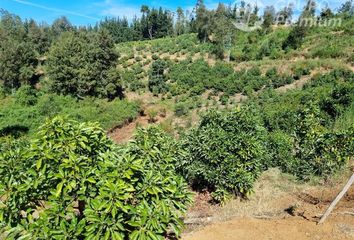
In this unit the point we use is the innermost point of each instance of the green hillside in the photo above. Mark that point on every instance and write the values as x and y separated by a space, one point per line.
107 132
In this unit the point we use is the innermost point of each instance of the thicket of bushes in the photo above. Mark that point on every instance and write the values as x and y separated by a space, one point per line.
198 76
29 108
294 131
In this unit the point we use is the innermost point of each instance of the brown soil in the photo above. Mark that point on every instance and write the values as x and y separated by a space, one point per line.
279 209
126 132
295 85
287 229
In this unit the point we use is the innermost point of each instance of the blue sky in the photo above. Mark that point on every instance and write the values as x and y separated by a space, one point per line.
83 12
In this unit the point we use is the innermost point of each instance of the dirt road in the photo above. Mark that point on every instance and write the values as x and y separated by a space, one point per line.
341 227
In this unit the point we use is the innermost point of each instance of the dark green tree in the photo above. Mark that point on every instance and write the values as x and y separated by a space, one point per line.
326 13
83 64
17 56
284 16
38 35
347 8
157 79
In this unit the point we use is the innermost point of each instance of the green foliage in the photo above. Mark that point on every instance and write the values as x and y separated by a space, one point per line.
198 76
280 146
318 151
157 79
17 56
302 140
225 152
302 27
26 96
181 109
295 38
16 118
131 81
82 64
74 183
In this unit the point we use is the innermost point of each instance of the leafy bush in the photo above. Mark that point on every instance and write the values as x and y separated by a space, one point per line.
157 79
318 151
73 183
155 57
280 147
181 109
224 152
331 51
26 95
341 97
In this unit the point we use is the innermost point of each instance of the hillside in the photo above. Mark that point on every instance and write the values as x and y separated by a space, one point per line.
193 71
201 127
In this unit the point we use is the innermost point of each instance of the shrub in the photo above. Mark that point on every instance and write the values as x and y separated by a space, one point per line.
155 57
181 109
224 99
280 146
301 71
138 58
73 183
225 152
319 151
26 95
331 51
157 79
152 114
341 97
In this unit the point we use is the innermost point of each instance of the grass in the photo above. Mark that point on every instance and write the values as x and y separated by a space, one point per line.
16 119
346 120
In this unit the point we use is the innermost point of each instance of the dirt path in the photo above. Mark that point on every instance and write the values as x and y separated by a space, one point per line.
125 133
283 229
295 85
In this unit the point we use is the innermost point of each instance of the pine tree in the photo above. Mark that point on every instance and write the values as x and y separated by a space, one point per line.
347 8
38 36
284 16
326 13
61 25
83 64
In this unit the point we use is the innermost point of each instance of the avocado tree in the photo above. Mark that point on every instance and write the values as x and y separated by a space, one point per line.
72 182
